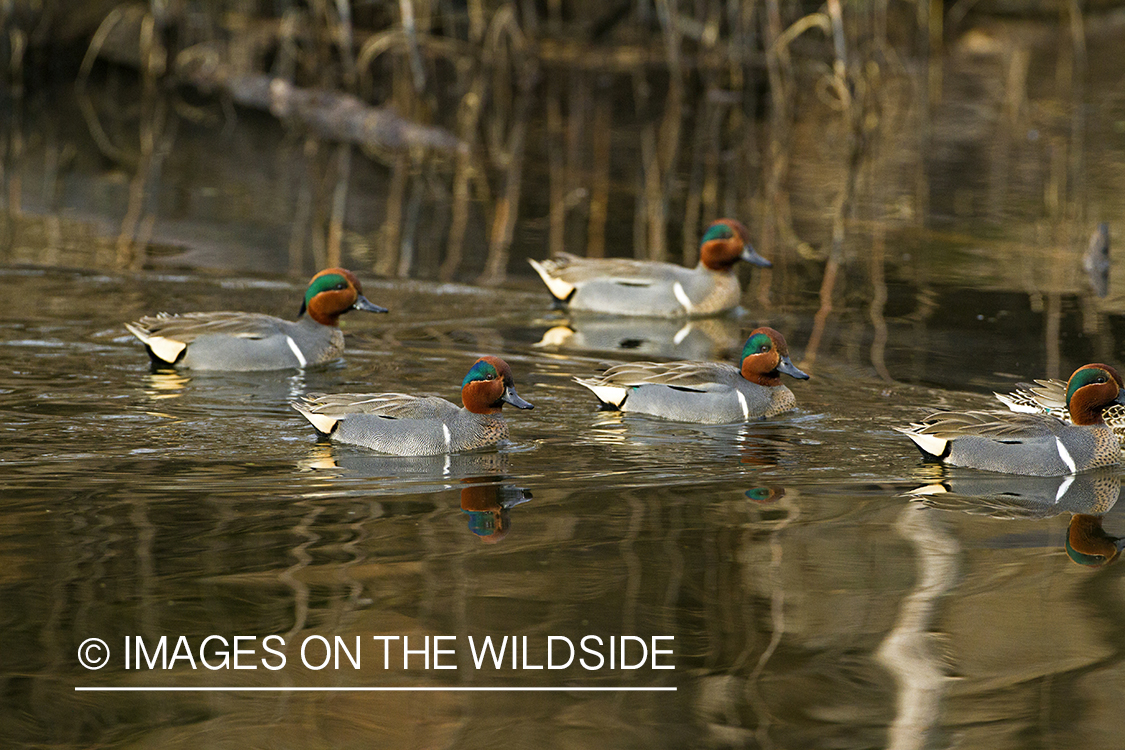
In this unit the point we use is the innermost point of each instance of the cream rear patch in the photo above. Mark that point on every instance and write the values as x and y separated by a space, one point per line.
559 289
167 350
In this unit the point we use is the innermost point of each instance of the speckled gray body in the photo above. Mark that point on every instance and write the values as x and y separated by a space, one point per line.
692 392
247 341
1019 444
629 287
1089 448
404 425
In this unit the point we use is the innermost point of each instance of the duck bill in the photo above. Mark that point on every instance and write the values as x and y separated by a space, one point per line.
750 255
511 397
362 303
1120 398
791 370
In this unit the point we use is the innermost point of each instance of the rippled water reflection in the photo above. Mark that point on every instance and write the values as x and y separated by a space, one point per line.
812 603
821 587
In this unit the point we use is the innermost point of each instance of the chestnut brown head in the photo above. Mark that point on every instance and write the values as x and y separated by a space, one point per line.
333 292
488 386
766 357
724 243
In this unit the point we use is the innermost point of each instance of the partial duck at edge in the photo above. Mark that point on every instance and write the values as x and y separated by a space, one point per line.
1030 444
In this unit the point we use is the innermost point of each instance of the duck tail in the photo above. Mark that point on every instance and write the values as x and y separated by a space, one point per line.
324 424
611 396
932 447
161 350
559 289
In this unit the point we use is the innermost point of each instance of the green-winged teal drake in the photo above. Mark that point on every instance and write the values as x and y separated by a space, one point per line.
1030 444
252 341
405 425
706 392
621 286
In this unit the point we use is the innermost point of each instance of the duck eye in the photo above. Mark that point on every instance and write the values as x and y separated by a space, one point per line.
764 348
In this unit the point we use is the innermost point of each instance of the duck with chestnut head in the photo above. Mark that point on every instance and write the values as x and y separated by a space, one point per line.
705 392
404 425
1030 444
621 286
241 341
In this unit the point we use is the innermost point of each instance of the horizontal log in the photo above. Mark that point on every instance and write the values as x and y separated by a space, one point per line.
333 115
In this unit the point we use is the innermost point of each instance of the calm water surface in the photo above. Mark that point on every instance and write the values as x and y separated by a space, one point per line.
810 603
806 598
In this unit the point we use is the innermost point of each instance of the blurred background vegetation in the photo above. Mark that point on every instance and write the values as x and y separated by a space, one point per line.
448 139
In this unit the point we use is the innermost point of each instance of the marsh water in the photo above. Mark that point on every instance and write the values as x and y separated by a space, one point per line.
799 595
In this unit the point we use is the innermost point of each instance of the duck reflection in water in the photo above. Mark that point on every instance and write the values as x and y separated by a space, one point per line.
662 338
397 473
765 495
486 502
1087 497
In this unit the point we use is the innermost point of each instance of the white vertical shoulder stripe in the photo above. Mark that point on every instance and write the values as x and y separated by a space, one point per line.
681 295
296 351
742 403
448 436
1064 454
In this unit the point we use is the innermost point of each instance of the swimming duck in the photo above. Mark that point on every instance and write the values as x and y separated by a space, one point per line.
405 425
1049 397
705 392
252 341
1030 444
647 288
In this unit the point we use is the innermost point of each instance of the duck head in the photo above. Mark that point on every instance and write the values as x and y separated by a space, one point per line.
488 385
333 292
725 243
766 356
1090 390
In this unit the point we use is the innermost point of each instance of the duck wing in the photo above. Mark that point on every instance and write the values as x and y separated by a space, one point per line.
190 326
387 405
625 271
686 375
1040 397
996 425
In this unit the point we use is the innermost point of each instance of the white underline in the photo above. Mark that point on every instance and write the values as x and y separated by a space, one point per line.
370 689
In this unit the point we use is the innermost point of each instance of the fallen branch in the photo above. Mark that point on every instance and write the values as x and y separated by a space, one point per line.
332 115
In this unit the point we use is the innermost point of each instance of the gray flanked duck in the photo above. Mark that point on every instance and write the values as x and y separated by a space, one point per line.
621 286
705 392
1031 444
252 341
405 425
